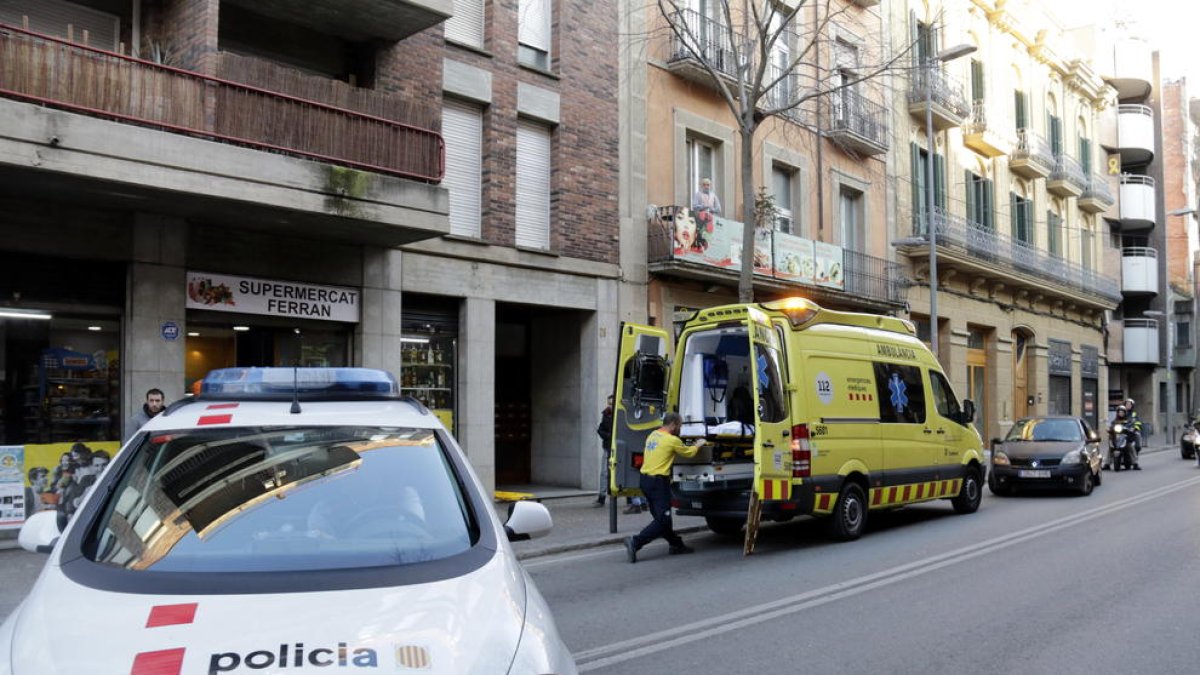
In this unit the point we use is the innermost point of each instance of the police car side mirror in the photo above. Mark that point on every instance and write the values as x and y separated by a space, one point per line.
527 520
39 533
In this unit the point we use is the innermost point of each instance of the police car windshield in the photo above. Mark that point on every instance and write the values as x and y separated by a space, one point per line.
273 499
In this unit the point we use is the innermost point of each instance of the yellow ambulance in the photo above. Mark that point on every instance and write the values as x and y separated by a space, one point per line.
809 411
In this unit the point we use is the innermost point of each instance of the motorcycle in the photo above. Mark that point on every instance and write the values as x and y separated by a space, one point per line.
1121 451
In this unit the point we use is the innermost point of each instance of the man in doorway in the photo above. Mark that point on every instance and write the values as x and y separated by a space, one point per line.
152 407
661 448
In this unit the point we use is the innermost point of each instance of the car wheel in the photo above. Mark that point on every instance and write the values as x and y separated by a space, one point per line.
849 517
1098 476
726 527
997 489
971 493
1088 484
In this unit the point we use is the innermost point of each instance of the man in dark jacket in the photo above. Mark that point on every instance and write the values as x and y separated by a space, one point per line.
152 406
604 431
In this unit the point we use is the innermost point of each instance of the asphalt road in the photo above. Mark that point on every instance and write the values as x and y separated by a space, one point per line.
1045 583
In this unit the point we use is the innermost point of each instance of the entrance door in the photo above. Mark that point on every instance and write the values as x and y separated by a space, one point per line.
1060 395
1020 376
514 395
977 388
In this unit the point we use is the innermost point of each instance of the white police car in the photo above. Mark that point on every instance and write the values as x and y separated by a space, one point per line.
291 521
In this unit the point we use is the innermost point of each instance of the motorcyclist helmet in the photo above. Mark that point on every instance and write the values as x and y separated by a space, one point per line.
1121 410
1129 403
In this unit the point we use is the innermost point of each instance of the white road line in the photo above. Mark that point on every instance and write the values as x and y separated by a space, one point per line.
555 560
625 650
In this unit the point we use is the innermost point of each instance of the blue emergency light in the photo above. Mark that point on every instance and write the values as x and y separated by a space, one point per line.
306 383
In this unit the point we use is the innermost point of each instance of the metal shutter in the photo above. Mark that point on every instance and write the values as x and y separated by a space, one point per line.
533 186
534 24
462 129
466 26
51 17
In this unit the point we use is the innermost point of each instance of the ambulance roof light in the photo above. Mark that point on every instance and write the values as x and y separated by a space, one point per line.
798 310
281 383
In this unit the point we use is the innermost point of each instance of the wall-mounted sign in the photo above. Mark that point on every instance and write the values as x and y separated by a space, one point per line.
1060 357
245 295
1089 362
170 331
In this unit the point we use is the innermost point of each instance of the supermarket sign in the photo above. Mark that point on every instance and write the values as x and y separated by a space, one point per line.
245 295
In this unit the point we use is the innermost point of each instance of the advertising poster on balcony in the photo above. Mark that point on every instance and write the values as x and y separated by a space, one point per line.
830 265
794 260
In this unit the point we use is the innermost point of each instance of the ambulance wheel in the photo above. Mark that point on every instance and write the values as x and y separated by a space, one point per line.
726 527
849 517
971 494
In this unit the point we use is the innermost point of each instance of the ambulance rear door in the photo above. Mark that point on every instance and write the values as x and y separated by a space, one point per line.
641 391
772 428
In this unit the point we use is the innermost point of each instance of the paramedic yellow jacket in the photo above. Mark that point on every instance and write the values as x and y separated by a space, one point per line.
661 448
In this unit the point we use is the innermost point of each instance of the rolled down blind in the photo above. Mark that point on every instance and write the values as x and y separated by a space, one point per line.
52 17
466 26
533 186
534 24
462 129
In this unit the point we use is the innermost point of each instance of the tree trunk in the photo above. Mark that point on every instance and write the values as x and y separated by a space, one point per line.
746 278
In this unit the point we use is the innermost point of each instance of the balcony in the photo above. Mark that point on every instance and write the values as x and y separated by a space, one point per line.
1097 197
982 252
1133 69
857 123
950 106
1135 133
178 140
1067 179
982 137
1032 158
783 262
357 20
700 44
1139 271
1141 341
1138 203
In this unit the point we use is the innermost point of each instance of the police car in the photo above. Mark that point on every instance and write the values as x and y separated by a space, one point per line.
286 520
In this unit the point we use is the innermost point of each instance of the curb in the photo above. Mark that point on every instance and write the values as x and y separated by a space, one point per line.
594 543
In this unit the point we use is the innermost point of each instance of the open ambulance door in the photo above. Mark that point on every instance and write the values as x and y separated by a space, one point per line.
772 424
642 378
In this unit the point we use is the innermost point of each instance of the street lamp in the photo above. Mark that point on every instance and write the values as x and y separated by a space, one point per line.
948 54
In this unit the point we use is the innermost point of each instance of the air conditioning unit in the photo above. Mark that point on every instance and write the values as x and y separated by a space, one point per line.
783 224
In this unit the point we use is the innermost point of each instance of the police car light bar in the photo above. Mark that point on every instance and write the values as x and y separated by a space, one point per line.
277 383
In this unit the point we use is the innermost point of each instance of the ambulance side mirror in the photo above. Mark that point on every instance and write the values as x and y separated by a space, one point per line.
39 533
527 520
968 412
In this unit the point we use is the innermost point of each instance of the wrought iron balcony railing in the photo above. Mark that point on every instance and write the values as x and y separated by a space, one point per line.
1067 169
61 74
698 37
959 234
854 113
673 237
978 123
943 89
1099 190
1031 146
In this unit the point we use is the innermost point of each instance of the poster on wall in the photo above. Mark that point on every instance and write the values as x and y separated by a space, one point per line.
57 476
794 258
245 295
12 487
830 269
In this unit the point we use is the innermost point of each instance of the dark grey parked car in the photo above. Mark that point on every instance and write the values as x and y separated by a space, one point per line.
1053 451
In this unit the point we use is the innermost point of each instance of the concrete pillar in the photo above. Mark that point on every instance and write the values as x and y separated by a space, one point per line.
955 364
157 291
599 343
1076 381
1039 377
1000 380
377 337
476 387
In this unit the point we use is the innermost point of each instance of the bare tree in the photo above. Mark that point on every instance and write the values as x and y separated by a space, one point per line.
767 58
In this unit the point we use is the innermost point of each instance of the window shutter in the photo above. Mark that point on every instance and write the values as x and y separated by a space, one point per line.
1085 156
1013 217
977 92
1020 109
989 205
466 26
533 186
52 17
918 184
969 181
1056 145
462 128
534 24
939 181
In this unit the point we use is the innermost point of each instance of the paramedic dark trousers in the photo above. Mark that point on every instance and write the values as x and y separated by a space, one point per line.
658 492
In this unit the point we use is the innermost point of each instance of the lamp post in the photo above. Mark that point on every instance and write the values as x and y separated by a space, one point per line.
943 56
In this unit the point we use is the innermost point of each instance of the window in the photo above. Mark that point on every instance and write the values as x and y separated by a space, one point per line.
1021 109
901 393
781 62
702 160
534 33
772 399
920 168
1022 218
533 185
943 396
462 128
781 182
978 92
926 42
1087 242
466 26
850 220
1183 333
1054 232
980 206
844 105
1085 156
1054 124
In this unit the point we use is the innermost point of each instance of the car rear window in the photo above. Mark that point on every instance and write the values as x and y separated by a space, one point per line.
277 499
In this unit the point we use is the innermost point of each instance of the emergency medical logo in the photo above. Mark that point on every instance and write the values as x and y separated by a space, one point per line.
899 392
764 380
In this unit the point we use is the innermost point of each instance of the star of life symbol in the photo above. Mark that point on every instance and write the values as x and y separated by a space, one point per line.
898 389
764 380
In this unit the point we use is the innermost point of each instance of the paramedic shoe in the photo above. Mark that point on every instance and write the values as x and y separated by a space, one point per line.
599 502
630 549
681 549
1136 467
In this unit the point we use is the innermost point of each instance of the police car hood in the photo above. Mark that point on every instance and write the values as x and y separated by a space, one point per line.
465 624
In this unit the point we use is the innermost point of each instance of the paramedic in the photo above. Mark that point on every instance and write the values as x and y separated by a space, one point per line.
661 448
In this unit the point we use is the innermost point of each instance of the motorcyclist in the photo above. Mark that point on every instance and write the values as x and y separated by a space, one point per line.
1123 417
1136 423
